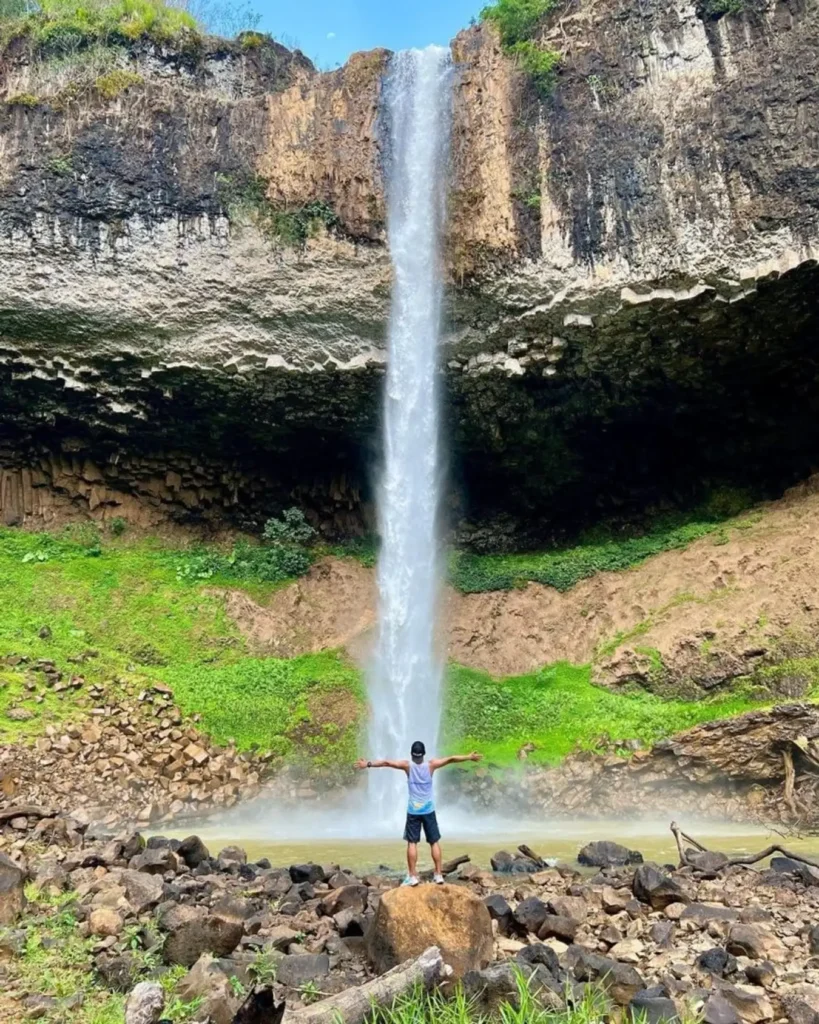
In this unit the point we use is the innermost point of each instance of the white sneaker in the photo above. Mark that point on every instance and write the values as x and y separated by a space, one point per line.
438 879
410 880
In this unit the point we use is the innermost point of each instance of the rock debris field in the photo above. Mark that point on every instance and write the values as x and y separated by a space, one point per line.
165 920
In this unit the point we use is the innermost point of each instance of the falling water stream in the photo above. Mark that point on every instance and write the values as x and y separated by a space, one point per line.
405 677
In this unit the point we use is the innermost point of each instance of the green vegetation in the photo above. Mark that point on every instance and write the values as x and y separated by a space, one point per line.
60 165
245 201
65 25
134 612
304 698
434 1008
539 63
517 22
56 962
115 82
23 99
602 550
718 8
559 710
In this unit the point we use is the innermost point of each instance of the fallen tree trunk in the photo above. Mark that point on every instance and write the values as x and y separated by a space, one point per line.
23 811
354 1005
750 858
452 865
527 851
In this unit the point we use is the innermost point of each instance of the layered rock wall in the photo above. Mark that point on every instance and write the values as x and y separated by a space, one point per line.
194 272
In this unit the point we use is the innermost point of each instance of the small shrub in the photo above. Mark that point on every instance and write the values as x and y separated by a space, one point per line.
253 40
272 563
292 528
516 19
309 992
245 198
263 968
115 82
716 9
118 526
60 165
538 62
23 99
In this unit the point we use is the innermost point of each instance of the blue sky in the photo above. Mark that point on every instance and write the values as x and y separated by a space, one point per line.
328 31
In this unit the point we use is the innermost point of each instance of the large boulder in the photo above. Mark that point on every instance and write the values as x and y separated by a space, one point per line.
145 1003
655 888
208 983
12 896
302 968
530 914
193 851
621 981
348 897
192 931
411 919
603 854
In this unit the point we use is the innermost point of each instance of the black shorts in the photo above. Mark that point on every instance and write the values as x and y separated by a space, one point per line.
412 830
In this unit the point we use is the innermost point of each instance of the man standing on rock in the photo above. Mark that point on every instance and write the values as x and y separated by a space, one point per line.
421 805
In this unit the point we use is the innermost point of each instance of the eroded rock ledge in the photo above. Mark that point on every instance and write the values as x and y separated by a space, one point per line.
760 767
632 265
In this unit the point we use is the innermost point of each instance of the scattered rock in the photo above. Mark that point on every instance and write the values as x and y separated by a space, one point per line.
717 961
208 982
295 971
656 889
105 921
311 873
553 926
653 1009
621 981
193 851
12 896
755 942
145 1004
603 854
530 914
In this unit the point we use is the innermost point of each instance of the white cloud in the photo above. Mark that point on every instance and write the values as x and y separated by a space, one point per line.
331 35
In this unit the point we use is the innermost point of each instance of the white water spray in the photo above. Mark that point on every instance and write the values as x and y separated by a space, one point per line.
405 680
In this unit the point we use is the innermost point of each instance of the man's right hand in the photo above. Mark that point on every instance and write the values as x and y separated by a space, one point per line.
475 756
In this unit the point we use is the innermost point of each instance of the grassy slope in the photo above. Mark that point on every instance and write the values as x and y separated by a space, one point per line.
559 710
146 615
128 605
606 549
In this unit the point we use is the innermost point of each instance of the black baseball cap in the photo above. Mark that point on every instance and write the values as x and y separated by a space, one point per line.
418 750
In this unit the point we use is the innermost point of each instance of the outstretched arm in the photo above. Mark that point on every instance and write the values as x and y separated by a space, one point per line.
402 766
442 762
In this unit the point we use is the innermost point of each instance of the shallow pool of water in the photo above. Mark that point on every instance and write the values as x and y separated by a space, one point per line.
559 839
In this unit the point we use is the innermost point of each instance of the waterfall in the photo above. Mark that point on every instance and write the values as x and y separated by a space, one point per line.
406 675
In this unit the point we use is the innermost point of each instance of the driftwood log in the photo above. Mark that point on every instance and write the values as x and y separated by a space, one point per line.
689 858
527 851
354 1005
23 811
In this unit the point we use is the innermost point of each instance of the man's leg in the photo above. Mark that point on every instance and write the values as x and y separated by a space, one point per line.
412 860
435 850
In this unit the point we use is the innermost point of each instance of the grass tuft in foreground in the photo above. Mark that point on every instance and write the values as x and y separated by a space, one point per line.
433 1008
559 710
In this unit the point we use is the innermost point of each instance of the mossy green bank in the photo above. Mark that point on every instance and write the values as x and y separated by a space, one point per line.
127 612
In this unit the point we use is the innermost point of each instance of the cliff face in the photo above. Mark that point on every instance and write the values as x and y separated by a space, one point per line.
194 281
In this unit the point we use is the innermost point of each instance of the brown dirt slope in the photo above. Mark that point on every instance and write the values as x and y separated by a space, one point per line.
730 603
